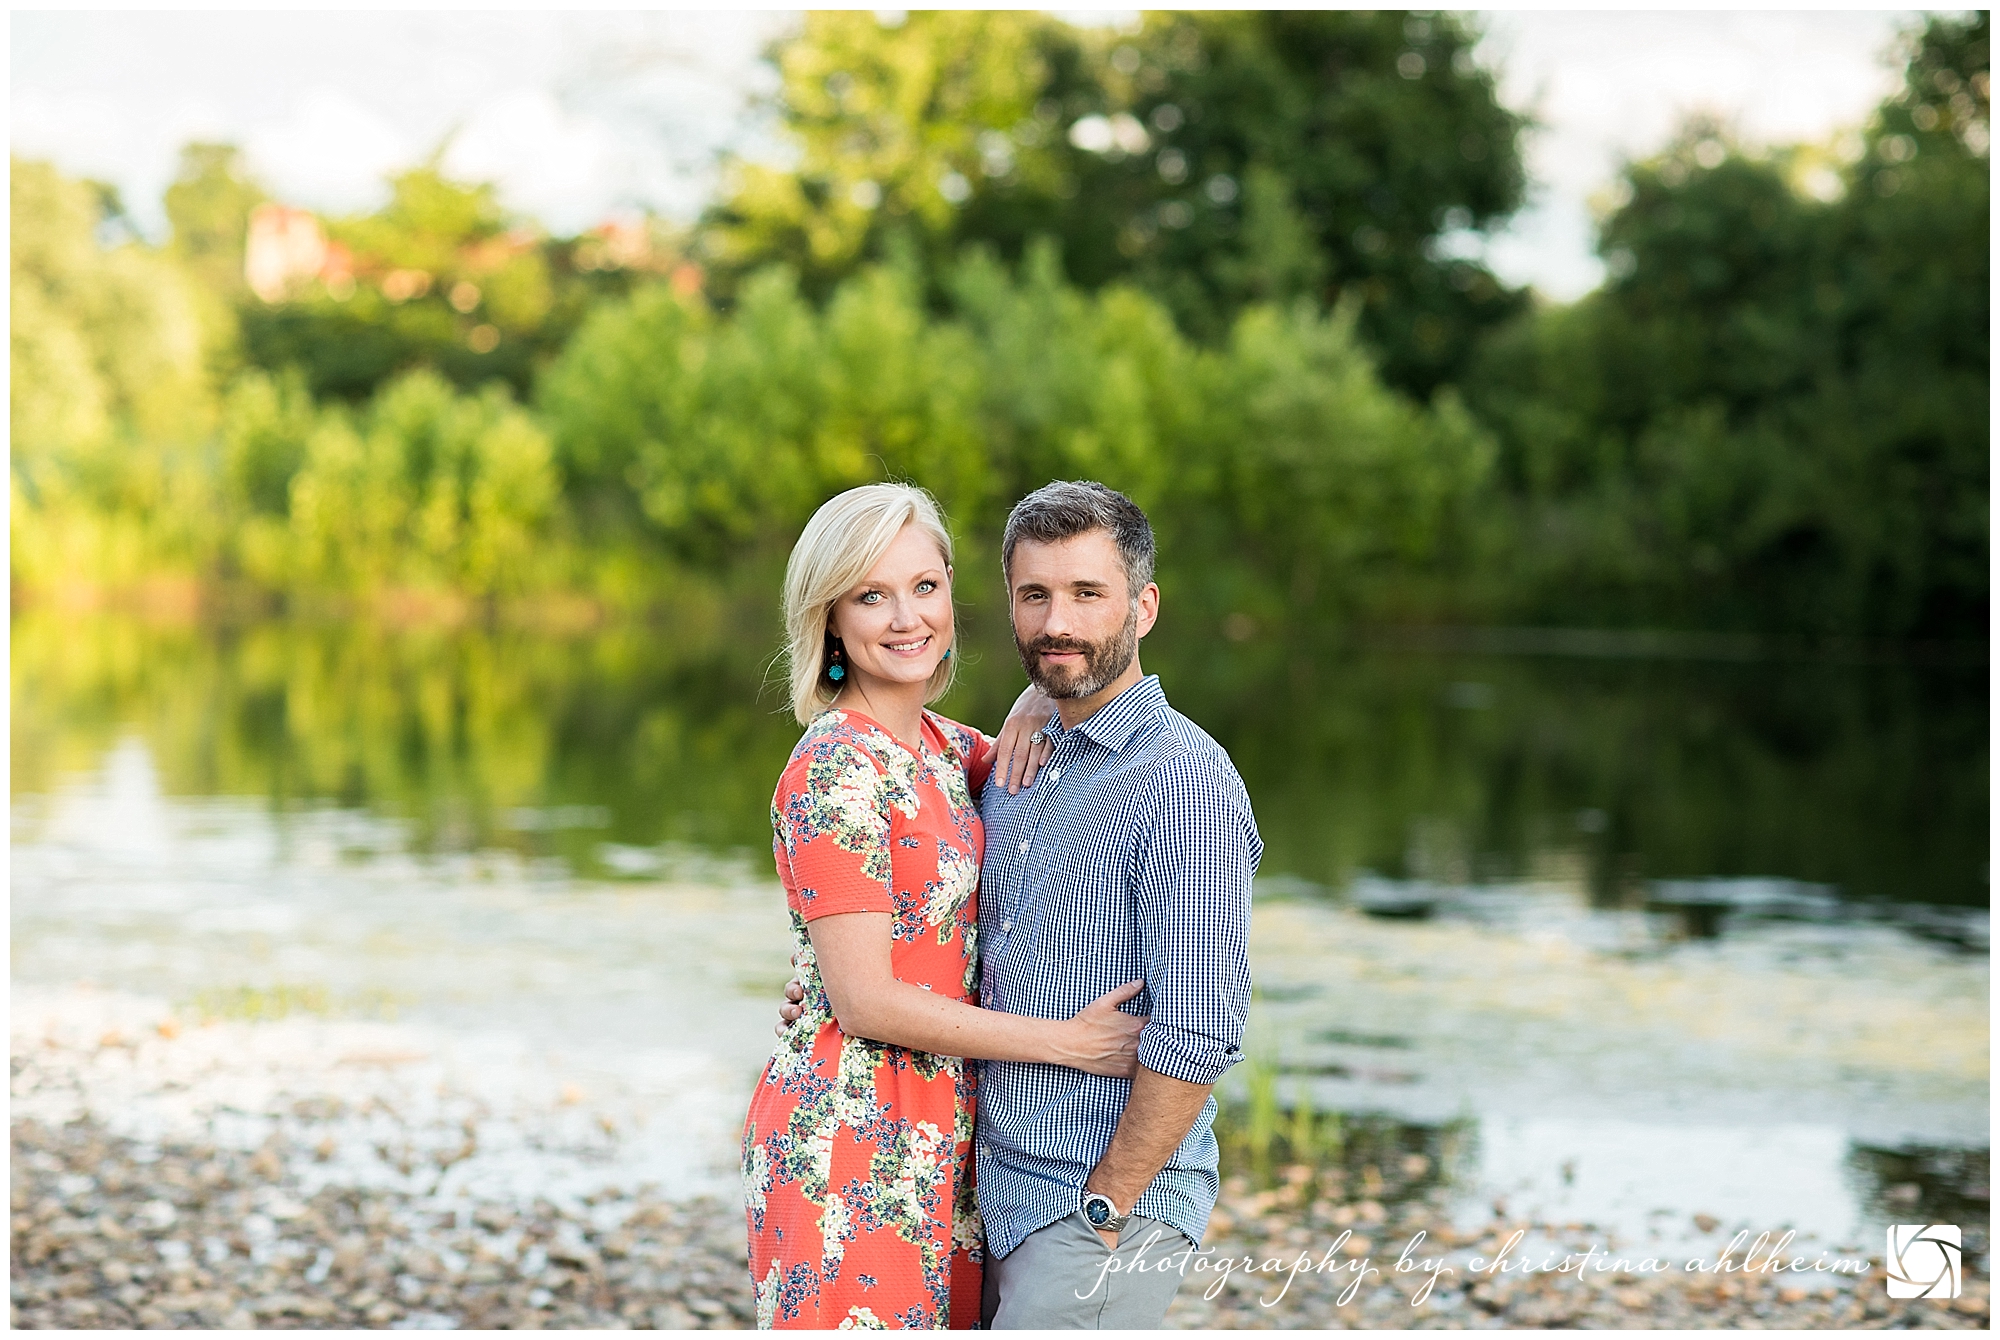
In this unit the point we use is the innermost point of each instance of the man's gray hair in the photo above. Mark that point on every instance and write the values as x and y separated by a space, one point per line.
1071 507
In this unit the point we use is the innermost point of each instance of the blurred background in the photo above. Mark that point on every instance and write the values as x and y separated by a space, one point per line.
1567 437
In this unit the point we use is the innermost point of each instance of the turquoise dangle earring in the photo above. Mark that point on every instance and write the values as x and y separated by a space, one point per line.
836 671
947 654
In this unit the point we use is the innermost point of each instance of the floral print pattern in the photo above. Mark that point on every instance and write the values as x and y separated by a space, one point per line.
857 1155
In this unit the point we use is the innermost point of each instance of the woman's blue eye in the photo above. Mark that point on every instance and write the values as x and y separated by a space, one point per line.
925 588
870 597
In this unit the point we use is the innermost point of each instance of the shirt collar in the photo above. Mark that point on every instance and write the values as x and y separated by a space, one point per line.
1112 724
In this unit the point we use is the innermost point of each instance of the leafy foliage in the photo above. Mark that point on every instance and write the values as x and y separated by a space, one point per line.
1279 451
208 205
727 431
439 278
1775 414
109 390
422 488
1214 160
1209 261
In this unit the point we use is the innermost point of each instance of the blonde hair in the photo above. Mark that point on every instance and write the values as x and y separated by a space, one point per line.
845 538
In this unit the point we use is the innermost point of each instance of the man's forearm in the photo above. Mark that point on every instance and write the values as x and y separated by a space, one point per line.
1157 1118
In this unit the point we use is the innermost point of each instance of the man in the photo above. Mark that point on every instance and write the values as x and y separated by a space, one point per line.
1130 857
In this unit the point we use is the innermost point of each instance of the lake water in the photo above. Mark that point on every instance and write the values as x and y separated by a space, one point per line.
1668 946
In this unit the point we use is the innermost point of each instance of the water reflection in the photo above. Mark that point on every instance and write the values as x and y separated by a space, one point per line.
1605 1175
1459 769
1929 1184
1673 909
546 746
1423 770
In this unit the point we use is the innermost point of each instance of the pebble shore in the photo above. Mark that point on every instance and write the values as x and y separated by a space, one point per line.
111 1233
162 1178
1277 1226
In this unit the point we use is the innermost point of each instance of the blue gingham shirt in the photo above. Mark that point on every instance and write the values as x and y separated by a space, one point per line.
1130 857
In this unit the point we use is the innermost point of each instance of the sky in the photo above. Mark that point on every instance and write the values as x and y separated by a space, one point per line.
579 117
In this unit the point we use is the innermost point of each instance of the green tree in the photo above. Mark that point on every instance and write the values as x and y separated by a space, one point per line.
1774 414
1283 472
104 339
425 488
728 432
1215 160
263 428
1325 154
208 207
109 396
883 114
1287 483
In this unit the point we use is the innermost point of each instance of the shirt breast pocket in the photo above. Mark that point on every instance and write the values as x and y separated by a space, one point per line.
1086 919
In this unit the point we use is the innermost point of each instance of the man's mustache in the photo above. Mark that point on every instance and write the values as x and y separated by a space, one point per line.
1042 644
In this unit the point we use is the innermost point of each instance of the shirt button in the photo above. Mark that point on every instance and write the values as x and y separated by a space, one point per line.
1055 774
1007 925
1024 844
985 1149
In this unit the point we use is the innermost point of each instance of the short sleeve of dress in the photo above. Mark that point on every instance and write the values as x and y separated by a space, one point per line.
833 829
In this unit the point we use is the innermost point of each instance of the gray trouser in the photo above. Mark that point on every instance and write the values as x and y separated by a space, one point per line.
1063 1278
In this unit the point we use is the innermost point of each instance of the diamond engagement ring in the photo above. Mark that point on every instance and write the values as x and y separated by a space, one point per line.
1039 737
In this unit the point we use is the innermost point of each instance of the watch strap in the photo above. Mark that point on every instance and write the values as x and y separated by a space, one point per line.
1117 1220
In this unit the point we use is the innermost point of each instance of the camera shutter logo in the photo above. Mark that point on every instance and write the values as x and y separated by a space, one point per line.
1923 1261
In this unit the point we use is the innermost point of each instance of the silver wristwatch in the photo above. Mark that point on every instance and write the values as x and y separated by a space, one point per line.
1101 1213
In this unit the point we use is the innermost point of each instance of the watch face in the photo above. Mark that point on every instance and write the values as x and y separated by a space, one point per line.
1097 1210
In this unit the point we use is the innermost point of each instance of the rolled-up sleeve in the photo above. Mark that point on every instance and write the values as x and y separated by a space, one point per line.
1192 886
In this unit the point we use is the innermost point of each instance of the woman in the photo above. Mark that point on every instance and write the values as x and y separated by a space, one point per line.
857 1159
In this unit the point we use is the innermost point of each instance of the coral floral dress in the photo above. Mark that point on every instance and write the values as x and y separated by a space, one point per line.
857 1155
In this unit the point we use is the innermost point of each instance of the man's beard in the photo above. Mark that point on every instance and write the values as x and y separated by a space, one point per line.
1102 661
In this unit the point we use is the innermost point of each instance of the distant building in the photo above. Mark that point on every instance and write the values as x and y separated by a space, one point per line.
618 244
288 249
285 246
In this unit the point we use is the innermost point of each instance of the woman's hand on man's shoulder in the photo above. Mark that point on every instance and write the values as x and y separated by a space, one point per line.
1023 747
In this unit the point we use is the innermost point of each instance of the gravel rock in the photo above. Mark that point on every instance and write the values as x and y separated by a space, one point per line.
328 1201
87 1255
1275 1225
